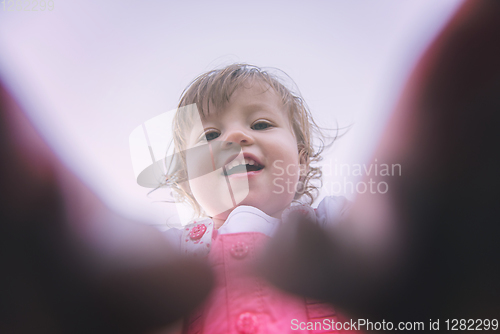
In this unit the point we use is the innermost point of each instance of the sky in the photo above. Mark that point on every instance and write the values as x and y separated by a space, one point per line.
89 72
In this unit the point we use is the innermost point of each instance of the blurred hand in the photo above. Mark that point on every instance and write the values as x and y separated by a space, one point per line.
68 264
428 248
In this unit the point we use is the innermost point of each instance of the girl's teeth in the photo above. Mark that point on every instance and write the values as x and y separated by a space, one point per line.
249 162
239 162
235 163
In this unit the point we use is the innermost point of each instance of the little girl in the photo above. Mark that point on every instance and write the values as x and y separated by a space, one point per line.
244 147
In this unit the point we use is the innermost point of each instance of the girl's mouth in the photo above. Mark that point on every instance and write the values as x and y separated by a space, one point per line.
240 166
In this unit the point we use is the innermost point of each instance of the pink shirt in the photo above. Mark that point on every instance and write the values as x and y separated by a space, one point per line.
240 301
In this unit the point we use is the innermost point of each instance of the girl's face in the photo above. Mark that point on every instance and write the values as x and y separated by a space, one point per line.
253 127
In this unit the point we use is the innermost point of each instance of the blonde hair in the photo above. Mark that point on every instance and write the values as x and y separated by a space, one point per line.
215 88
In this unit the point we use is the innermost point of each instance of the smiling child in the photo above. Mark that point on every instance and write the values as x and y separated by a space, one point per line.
245 143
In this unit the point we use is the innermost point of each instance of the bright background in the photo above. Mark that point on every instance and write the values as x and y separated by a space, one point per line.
89 72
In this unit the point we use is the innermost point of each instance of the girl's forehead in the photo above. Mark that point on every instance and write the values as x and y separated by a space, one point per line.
248 98
257 90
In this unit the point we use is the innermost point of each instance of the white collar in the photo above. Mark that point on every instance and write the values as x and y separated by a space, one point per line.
249 219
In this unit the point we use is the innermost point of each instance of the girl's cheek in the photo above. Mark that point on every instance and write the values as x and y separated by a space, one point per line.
285 181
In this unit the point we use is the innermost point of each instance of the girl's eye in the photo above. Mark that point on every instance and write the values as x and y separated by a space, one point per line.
261 125
211 135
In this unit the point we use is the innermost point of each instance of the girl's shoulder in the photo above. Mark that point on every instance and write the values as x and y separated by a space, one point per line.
194 238
329 211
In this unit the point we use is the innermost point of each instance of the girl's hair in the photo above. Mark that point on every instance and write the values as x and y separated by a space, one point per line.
214 89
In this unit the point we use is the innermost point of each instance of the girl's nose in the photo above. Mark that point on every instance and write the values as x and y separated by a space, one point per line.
240 137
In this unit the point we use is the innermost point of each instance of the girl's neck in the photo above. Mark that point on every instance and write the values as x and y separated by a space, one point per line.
219 221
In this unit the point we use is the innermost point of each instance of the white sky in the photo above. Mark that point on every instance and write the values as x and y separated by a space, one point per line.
89 72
